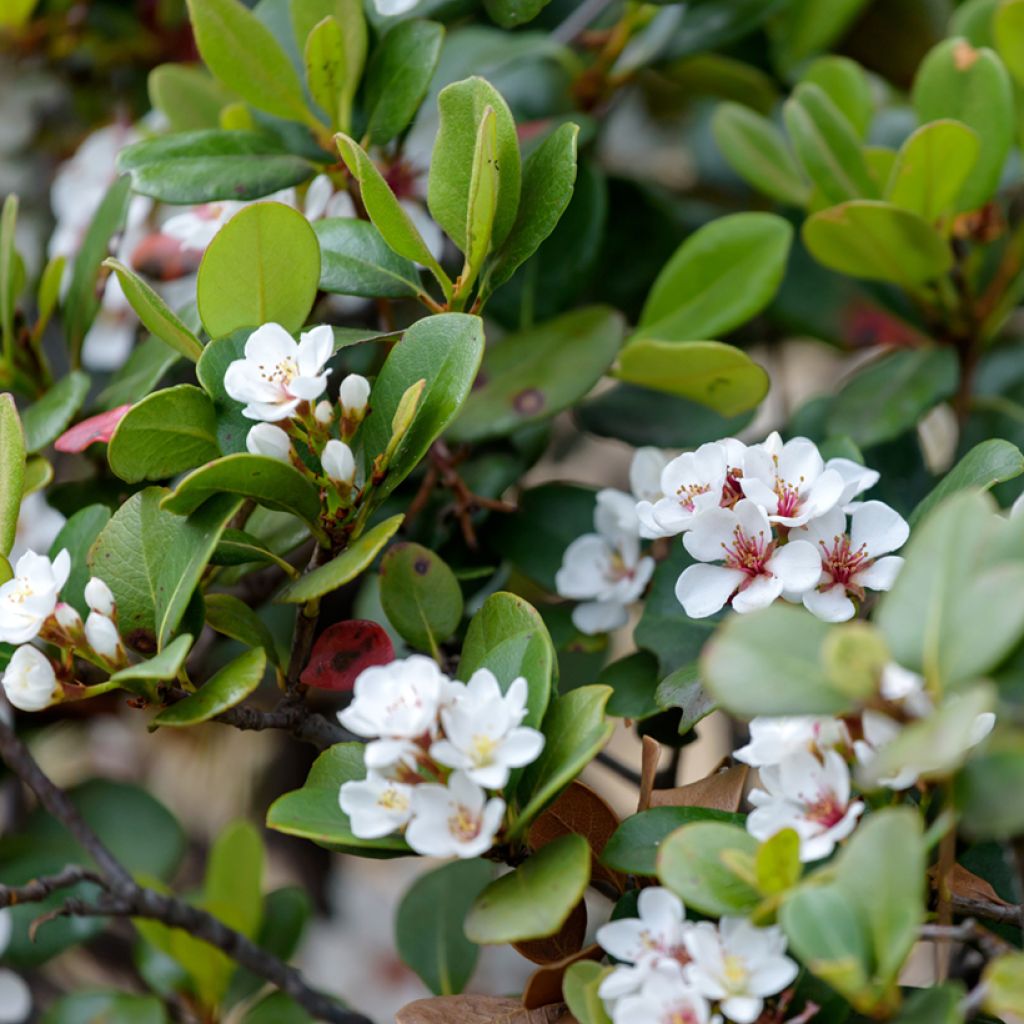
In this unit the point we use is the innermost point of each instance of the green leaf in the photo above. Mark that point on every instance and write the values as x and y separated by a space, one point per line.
633 680
1008 32
307 14
244 55
264 480
165 666
324 54
277 1008
535 900
846 85
428 925
580 990
231 617
233 425
237 547
398 77
826 145
779 647
9 263
233 885
45 420
443 350
970 85
167 433
77 536
985 465
803 28
633 849
878 242
139 374
720 277
512 13
49 292
262 267
931 169
204 166
346 567
938 1005
356 260
313 811
226 688
684 690
386 212
155 314
987 788
778 863
420 595
153 560
531 376
758 152
482 203
890 395
187 96
549 176
109 1007
694 862
38 474
12 471
16 13
462 107
719 376
575 730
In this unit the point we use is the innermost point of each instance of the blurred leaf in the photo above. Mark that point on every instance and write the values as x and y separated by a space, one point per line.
46 419
987 788
804 28
108 1007
189 97
846 85
12 471
138 375
231 617
356 260
633 680
513 13
580 990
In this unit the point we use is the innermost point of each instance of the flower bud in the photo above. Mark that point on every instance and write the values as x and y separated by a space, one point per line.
68 618
103 636
324 413
270 441
353 394
98 596
30 682
338 462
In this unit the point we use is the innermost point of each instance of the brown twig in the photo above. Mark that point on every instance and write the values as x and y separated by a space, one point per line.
123 897
305 628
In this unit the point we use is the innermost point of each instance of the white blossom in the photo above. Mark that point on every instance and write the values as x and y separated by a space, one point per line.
482 733
456 820
270 441
29 680
338 462
99 597
651 941
103 637
774 738
605 569
29 598
38 526
396 705
856 478
789 480
665 998
376 806
277 375
756 571
738 965
353 394
810 796
852 562
15 996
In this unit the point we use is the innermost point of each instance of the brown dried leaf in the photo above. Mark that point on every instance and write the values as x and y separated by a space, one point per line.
545 984
969 886
565 942
649 757
467 1009
581 811
721 790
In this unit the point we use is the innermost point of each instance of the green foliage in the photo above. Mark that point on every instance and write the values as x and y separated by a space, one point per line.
356 260
226 688
420 595
12 469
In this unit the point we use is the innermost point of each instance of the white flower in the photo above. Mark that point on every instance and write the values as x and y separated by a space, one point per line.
810 796
756 571
605 569
482 734
376 806
773 739
103 637
98 596
901 686
852 562
397 702
195 228
269 441
277 375
353 394
324 413
29 680
856 478
38 526
664 999
15 996
738 965
643 944
645 473
790 481
338 462
456 820
29 598
694 483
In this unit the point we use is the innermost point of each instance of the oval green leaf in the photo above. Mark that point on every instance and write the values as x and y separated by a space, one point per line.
420 595
356 260
228 687
12 471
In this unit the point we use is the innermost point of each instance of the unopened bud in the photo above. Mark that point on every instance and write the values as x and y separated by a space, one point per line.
103 637
338 462
324 413
270 441
353 394
67 618
98 597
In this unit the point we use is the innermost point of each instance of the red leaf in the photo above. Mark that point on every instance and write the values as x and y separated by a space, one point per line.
343 650
164 258
95 428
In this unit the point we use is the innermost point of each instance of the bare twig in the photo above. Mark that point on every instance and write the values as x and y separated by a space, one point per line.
998 912
122 897
968 932
305 628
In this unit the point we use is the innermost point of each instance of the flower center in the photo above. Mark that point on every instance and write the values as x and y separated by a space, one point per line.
687 493
618 570
789 497
826 810
732 491
22 592
392 800
841 562
682 1015
748 554
209 211
734 972
464 824
483 749
281 373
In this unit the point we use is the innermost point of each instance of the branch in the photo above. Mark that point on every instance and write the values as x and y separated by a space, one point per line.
122 897
1001 913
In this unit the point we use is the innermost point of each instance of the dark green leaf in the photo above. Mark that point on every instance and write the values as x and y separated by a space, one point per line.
228 687
77 536
229 616
355 260
420 595
12 471
46 419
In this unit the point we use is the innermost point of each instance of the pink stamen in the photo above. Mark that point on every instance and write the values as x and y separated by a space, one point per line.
842 563
826 810
748 554
687 492
732 491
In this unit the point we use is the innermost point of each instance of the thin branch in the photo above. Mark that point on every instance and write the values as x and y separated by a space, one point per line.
122 897
968 932
1001 913
305 628
40 888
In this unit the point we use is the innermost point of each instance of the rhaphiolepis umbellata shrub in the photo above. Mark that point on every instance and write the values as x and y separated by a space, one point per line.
304 331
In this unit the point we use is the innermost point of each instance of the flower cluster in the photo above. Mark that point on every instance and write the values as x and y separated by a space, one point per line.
804 763
765 521
437 749
30 608
672 969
